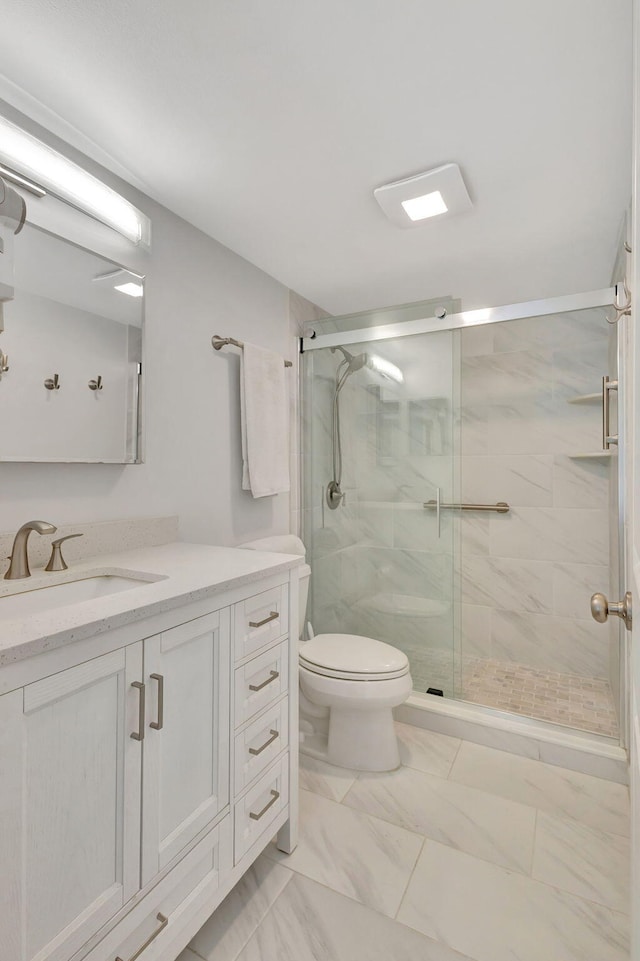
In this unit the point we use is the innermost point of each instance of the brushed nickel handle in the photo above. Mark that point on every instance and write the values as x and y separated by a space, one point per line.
601 609
158 724
57 561
258 750
95 384
256 817
52 383
274 615
272 676
500 508
607 438
139 734
163 923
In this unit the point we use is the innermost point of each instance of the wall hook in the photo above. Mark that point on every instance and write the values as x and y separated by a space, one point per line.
4 362
621 310
52 383
96 384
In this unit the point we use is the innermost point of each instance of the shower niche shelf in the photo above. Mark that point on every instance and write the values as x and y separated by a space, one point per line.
586 398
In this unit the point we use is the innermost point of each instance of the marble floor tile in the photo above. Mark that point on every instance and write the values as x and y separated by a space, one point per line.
364 857
224 935
426 750
492 914
600 804
482 824
325 779
592 864
311 923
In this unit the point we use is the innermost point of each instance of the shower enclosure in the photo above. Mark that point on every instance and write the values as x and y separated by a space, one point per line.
461 501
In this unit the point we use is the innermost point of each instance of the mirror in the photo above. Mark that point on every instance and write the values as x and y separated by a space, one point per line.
73 339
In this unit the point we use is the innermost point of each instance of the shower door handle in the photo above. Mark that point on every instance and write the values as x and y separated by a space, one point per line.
438 514
607 437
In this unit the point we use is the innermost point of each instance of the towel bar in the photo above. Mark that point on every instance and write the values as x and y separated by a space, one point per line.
219 342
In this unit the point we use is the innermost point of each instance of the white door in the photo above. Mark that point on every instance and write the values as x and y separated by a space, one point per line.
186 746
69 805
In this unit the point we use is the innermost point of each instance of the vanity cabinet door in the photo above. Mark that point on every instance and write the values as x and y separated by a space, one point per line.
70 777
186 746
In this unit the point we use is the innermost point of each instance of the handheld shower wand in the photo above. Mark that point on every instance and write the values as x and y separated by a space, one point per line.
346 367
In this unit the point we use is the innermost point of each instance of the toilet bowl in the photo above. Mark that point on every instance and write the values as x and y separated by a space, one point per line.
349 685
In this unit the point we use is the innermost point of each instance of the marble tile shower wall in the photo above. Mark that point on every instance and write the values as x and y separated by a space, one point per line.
526 577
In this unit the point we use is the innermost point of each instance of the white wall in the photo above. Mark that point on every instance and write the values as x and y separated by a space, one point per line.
195 287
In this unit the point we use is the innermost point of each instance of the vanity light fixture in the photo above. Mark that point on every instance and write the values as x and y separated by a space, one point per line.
56 174
409 202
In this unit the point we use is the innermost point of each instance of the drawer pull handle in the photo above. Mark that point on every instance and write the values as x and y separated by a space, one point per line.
256 817
272 676
139 734
258 750
163 923
273 616
159 723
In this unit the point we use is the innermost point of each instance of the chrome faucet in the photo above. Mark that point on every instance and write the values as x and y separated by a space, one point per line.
19 560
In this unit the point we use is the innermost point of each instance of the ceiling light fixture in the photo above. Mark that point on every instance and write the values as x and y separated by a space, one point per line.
134 290
411 201
429 205
64 179
385 367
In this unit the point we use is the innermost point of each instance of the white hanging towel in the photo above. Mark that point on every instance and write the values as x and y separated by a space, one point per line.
265 422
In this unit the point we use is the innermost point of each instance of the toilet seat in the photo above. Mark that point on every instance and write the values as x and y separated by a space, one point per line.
351 657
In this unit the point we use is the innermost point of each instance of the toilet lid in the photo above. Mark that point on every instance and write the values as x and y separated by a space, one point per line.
353 655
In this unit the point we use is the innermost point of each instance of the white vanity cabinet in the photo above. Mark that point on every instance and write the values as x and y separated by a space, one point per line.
141 772
185 771
69 805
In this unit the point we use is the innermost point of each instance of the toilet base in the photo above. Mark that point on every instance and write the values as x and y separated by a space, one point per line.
357 741
363 741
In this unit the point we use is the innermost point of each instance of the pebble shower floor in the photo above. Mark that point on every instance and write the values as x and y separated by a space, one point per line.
581 702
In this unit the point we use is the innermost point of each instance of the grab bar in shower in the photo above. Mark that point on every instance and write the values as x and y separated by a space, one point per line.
500 508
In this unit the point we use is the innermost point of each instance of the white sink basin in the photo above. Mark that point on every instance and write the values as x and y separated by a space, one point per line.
49 596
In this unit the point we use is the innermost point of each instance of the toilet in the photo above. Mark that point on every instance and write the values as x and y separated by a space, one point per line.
349 686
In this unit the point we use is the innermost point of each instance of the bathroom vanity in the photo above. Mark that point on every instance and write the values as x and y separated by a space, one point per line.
148 746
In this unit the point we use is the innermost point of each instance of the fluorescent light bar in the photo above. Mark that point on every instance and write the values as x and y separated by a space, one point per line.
134 290
71 183
385 367
428 205
19 181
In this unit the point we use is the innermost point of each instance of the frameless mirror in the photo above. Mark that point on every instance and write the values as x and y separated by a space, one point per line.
73 339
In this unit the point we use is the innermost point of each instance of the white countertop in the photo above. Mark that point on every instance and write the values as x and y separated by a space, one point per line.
185 572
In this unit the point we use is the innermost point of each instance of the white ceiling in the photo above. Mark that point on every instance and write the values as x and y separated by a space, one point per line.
267 123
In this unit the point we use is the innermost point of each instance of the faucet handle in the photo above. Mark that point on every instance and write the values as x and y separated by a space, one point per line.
57 561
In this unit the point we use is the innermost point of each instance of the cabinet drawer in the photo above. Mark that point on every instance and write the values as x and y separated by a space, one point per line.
260 806
260 620
260 743
209 862
260 682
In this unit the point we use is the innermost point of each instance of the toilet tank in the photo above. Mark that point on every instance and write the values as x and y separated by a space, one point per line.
287 544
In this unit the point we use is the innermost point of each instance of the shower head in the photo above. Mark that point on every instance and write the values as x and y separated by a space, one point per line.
355 363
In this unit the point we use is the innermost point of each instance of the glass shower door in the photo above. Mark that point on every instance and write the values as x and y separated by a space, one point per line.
382 560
